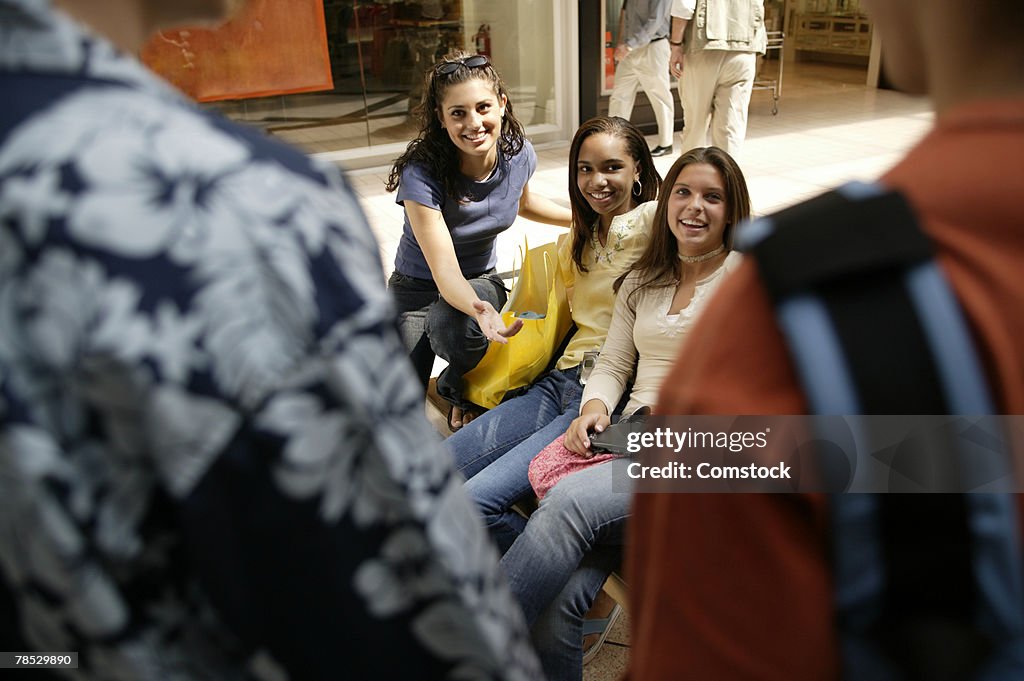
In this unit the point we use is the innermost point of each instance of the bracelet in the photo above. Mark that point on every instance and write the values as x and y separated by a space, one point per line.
671 42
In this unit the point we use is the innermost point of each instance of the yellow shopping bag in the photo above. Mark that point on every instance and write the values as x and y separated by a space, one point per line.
539 290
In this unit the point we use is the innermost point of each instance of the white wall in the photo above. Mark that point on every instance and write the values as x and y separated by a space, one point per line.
522 49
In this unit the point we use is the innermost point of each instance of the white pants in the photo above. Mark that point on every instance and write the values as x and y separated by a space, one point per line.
645 67
716 84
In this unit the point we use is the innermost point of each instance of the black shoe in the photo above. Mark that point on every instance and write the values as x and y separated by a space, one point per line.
661 151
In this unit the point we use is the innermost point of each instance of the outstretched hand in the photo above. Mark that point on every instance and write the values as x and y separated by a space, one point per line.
577 435
491 323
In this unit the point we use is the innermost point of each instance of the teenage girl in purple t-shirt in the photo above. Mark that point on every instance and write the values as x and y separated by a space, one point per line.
462 181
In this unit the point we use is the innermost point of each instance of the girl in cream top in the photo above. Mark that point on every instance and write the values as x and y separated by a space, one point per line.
657 304
701 200
642 327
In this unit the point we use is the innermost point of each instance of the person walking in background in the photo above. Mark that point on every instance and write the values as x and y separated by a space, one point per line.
461 182
213 457
770 604
642 62
714 47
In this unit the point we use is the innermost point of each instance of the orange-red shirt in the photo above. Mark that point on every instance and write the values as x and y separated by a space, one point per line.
738 586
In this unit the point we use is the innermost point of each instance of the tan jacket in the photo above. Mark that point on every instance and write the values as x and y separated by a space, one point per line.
733 25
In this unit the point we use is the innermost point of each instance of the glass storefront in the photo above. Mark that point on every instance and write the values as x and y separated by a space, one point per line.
611 16
350 72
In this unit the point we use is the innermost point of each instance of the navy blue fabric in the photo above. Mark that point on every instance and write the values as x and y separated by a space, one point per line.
486 209
213 457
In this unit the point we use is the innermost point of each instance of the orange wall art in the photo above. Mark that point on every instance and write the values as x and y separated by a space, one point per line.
269 48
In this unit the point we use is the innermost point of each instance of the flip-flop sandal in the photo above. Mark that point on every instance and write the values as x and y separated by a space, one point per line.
439 403
465 410
599 626
444 406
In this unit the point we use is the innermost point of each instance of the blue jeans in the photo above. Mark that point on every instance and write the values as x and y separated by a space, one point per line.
494 451
557 565
558 633
430 326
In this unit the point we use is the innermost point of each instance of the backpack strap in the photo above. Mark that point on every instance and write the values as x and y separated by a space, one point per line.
873 327
850 272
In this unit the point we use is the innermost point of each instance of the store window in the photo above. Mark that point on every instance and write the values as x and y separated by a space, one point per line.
610 16
344 75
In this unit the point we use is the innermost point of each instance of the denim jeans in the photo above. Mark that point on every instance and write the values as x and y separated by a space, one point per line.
558 633
557 565
430 326
494 451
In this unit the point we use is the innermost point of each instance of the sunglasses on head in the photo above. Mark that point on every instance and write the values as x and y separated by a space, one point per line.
473 62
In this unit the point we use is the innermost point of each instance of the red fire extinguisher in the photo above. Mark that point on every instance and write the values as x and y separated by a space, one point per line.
482 40
609 61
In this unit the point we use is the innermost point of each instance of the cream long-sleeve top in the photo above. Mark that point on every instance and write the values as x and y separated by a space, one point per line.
641 326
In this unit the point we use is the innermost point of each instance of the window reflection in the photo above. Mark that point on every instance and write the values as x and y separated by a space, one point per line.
374 55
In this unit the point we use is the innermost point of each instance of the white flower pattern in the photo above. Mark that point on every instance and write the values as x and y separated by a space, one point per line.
673 325
196 343
613 242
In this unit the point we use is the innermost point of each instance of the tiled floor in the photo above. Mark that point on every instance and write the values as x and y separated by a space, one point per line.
829 129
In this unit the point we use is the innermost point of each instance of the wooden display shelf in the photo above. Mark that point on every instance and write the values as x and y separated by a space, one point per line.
833 33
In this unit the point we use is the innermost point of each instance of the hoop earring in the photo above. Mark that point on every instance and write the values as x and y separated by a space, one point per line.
638 188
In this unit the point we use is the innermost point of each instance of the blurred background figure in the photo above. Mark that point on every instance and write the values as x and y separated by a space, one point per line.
642 62
715 59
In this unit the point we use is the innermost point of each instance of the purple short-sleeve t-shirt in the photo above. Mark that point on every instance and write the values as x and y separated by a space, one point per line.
490 208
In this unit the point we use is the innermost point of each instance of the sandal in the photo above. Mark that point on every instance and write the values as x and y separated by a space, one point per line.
446 407
451 409
599 626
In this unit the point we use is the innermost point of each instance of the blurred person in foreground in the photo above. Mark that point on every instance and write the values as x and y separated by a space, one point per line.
213 458
740 587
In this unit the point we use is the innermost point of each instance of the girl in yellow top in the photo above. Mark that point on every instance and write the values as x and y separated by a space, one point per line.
612 187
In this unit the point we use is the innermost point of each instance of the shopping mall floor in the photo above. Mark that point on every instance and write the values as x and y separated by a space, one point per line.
830 128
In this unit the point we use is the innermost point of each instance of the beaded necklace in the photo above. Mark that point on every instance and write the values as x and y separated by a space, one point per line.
703 257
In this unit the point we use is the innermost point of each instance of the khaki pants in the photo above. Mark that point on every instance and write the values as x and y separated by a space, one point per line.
645 67
716 85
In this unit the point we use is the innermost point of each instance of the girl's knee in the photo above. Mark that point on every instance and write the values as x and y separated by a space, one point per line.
452 332
481 492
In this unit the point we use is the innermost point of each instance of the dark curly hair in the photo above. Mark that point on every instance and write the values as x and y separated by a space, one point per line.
583 216
433 148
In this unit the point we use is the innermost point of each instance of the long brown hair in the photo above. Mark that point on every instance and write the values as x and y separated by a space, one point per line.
659 264
583 216
432 147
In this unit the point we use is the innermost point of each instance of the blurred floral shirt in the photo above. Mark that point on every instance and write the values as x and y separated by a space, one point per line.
213 457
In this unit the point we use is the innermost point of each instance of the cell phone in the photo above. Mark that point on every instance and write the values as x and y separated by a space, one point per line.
607 441
615 437
587 365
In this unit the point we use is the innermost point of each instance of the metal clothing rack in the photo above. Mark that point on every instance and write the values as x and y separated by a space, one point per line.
776 40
